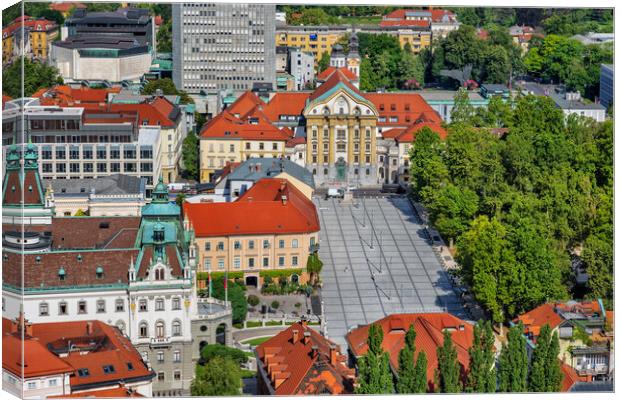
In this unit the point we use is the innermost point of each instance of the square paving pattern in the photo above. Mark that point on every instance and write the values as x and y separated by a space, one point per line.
377 260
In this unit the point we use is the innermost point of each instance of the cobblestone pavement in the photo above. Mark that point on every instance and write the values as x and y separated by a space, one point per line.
378 264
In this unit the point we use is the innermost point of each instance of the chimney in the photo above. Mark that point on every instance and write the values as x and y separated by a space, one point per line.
314 352
159 93
461 327
333 355
295 336
306 337
282 185
257 167
89 328
284 199
304 322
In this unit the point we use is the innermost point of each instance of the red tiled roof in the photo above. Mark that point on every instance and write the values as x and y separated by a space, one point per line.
30 24
408 134
293 367
295 141
14 188
158 20
436 14
66 96
112 349
405 22
5 98
64 7
286 103
429 329
153 113
106 393
548 313
323 76
38 361
569 377
335 78
260 210
244 104
406 107
227 126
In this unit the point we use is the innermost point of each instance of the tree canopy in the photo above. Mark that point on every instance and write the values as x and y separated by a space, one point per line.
374 374
221 376
36 76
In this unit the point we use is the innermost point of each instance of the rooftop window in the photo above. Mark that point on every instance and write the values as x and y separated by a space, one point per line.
108 369
82 372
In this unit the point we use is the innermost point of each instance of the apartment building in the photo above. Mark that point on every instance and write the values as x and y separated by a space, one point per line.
83 135
272 226
136 273
301 67
318 39
77 359
441 22
27 36
220 46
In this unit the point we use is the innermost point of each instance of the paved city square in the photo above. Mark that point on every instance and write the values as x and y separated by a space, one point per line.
378 264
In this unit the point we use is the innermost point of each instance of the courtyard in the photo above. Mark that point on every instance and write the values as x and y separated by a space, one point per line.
378 260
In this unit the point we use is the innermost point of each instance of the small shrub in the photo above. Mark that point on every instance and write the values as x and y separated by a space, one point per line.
275 304
297 305
253 300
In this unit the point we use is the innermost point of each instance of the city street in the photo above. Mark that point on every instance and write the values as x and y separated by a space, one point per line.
377 261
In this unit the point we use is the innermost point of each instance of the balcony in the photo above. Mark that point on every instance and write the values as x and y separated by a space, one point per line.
161 342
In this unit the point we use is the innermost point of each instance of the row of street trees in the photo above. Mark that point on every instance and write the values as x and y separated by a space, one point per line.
512 372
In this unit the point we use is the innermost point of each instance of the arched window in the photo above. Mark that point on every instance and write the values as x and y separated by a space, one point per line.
143 329
159 274
176 328
160 329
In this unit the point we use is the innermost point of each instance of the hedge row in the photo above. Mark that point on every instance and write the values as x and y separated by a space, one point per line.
280 273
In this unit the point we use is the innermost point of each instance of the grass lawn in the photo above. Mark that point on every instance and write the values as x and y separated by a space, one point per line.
273 323
254 324
257 341
369 20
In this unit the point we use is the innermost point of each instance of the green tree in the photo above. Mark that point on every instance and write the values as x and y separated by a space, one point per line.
462 111
452 209
481 377
189 154
211 351
374 374
164 37
220 377
598 260
166 85
180 198
427 168
513 362
488 264
406 364
323 63
410 68
545 374
420 382
314 266
236 295
496 66
448 366
36 76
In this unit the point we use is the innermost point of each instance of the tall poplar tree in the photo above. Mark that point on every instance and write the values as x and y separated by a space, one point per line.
449 369
545 374
375 376
481 377
411 373
513 363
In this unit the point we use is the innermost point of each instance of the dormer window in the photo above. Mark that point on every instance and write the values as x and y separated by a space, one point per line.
61 274
30 188
99 272
37 259
79 258
159 274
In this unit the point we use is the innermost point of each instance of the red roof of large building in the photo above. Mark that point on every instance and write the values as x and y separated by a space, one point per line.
120 391
405 22
429 329
67 96
97 345
436 14
299 360
30 24
256 127
286 103
402 109
549 313
323 76
569 377
65 7
271 206
338 76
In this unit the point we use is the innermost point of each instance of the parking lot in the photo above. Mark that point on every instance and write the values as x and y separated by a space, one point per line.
377 260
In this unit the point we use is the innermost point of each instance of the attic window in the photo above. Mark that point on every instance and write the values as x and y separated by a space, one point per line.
381 107
82 372
104 225
99 272
129 366
37 259
145 122
30 188
13 188
407 106
5 256
82 190
61 274
393 107
79 258
63 190
108 369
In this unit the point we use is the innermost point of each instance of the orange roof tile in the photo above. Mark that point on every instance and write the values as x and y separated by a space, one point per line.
107 393
270 206
535 319
64 7
323 76
335 78
244 104
405 22
286 103
569 377
429 329
299 360
38 361
407 108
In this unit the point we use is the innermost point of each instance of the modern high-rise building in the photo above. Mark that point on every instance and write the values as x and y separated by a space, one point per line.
223 47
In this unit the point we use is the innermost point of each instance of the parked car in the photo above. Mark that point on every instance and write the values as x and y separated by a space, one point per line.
335 193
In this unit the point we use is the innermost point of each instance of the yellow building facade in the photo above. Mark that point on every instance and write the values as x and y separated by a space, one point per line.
316 43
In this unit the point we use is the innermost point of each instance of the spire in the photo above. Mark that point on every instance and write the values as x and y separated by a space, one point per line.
160 192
